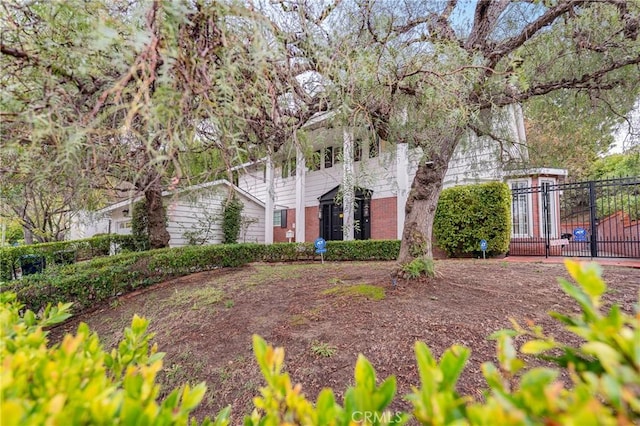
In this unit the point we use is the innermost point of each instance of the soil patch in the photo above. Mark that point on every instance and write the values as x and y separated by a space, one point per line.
204 322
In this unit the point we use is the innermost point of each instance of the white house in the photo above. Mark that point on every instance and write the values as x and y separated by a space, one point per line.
308 184
193 212
300 192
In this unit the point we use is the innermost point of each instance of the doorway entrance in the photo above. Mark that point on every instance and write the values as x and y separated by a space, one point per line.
331 215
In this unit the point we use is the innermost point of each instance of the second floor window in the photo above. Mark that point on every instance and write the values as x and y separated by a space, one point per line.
328 157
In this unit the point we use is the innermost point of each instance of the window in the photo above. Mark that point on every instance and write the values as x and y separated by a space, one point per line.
548 222
520 209
280 218
314 163
328 157
125 224
289 168
338 155
374 147
357 150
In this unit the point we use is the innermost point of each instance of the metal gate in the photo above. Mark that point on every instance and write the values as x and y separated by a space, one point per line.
579 219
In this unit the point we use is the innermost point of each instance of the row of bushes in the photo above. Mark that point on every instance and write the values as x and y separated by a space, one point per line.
76 382
61 251
88 283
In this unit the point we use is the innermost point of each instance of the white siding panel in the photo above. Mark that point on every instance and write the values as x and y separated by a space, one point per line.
285 191
196 212
320 182
252 180
190 214
253 217
379 175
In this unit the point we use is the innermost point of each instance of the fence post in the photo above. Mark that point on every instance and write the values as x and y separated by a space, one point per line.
547 219
593 219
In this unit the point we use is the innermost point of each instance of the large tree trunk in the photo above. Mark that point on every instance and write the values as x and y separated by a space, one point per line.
422 201
28 235
156 214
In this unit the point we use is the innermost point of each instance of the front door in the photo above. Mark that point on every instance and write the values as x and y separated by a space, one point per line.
332 216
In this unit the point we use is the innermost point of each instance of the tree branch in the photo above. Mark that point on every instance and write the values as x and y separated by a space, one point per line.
486 15
55 70
586 81
496 53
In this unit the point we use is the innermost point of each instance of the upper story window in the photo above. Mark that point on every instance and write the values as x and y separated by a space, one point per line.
357 150
328 157
374 147
338 154
289 168
314 161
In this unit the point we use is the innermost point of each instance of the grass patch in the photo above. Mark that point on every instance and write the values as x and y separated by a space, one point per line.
298 319
271 273
372 292
196 298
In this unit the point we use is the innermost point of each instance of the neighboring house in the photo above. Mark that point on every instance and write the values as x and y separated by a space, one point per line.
309 184
192 213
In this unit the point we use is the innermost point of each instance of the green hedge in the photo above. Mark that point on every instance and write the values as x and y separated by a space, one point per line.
61 251
468 213
88 283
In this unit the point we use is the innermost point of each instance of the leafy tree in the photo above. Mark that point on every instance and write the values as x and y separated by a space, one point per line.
617 165
414 73
13 231
569 129
157 90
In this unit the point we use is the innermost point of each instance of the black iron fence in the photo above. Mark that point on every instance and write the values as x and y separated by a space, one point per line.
579 219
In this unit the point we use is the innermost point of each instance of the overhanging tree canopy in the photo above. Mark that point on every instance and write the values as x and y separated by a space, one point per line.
409 70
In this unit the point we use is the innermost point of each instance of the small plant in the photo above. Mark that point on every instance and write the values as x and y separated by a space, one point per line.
204 231
228 304
76 382
231 220
323 349
140 225
418 267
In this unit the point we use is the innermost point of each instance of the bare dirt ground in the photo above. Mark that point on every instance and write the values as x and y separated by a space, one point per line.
204 322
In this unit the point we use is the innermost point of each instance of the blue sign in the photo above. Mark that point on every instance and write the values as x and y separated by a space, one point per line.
483 245
321 245
580 234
